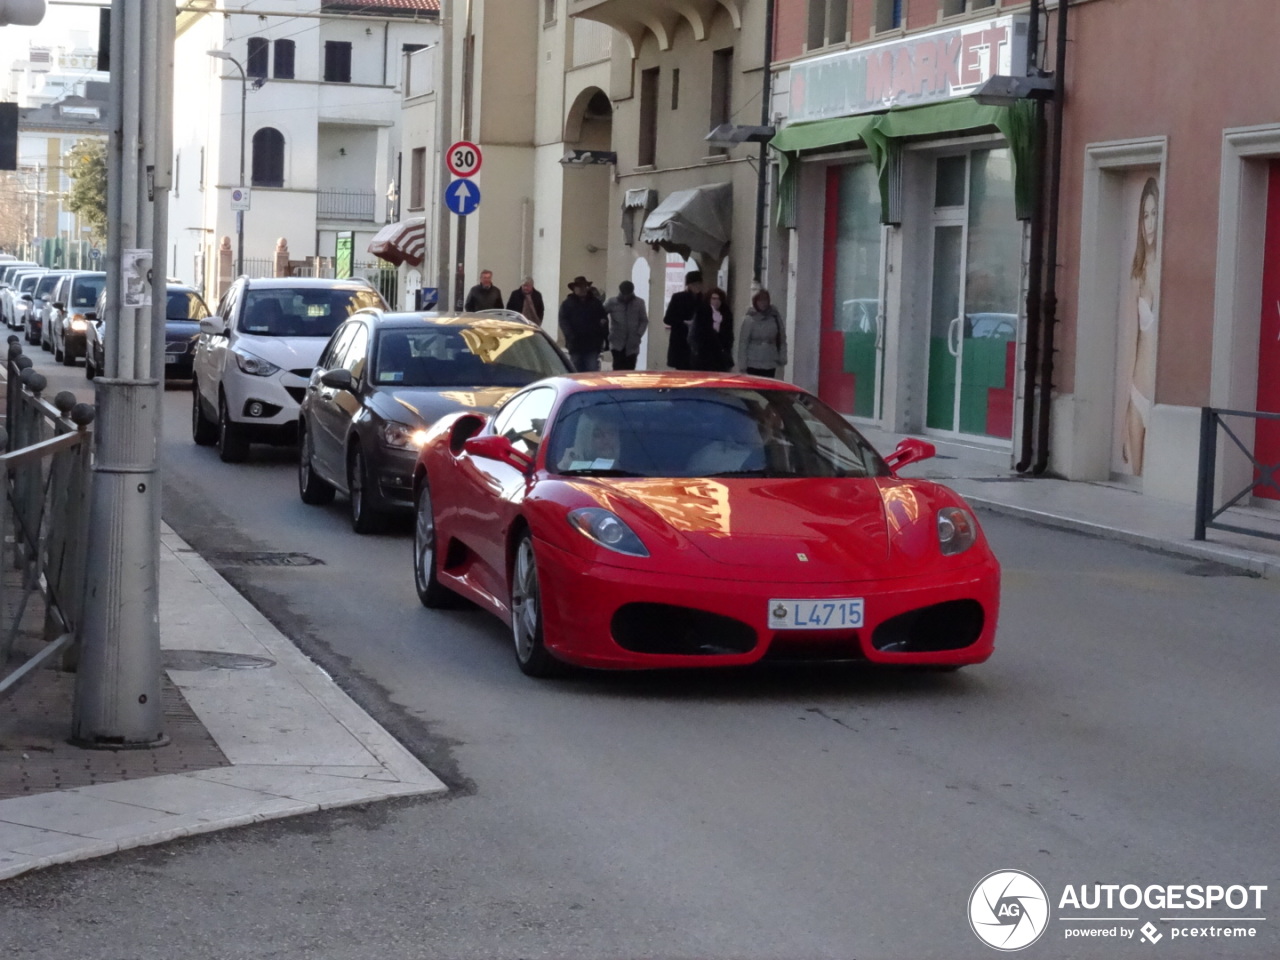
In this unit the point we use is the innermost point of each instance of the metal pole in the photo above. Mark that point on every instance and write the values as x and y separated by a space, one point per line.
118 683
444 121
244 96
1208 469
766 115
468 66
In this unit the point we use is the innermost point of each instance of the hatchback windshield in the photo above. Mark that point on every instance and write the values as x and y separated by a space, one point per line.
85 290
185 305
28 282
480 355
46 284
303 312
707 432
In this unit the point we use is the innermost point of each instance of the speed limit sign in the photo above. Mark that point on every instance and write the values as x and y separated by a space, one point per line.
464 159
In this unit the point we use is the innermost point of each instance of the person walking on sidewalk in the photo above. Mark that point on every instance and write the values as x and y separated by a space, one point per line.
711 334
484 295
762 341
679 316
526 299
628 320
584 325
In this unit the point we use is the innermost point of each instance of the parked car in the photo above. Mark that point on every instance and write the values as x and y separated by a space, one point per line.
184 310
71 315
21 295
41 304
384 378
7 273
992 326
687 520
254 359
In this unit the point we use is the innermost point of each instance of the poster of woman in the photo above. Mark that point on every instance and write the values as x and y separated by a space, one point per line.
1139 313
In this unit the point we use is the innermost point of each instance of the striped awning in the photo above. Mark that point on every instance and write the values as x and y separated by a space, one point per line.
403 242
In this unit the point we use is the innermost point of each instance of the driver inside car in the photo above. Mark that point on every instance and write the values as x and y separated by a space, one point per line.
596 443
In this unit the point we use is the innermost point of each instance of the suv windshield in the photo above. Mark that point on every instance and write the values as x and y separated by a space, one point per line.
185 305
302 312
28 283
479 355
85 290
47 283
707 432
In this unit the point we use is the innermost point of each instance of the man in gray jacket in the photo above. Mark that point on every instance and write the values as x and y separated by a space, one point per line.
628 321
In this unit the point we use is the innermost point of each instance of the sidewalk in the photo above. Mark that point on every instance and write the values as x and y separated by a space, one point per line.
1107 510
259 732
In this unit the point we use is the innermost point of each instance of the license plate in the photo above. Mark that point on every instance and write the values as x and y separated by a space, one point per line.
838 614
171 358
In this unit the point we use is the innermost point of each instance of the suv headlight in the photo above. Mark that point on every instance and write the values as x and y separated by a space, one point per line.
79 325
607 529
253 365
403 437
957 530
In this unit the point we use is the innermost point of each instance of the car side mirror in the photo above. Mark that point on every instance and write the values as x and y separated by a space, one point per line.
214 326
91 316
500 449
59 305
339 379
908 451
27 297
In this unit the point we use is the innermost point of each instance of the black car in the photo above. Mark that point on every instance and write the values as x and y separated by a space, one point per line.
384 378
186 308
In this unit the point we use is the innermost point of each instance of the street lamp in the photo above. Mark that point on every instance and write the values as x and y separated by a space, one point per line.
244 93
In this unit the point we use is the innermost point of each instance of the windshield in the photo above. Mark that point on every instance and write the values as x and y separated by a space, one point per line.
303 312
480 355
707 432
85 290
185 305
47 283
28 283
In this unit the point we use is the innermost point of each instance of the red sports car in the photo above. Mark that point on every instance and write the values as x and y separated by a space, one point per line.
647 520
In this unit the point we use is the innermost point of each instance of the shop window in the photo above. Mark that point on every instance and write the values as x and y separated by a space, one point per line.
549 11
268 158
888 15
417 178
949 182
721 90
337 61
648 152
284 59
259 50
828 21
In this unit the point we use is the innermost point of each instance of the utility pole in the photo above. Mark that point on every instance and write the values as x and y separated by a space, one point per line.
118 680
468 72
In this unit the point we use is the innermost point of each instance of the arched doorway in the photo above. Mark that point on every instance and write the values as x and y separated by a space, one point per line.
584 238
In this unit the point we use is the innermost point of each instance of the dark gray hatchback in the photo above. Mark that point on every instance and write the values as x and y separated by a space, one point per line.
384 378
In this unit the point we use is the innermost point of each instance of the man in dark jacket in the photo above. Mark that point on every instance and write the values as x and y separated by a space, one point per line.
680 313
527 299
585 325
484 295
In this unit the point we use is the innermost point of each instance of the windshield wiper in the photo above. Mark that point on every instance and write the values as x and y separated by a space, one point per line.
771 474
598 472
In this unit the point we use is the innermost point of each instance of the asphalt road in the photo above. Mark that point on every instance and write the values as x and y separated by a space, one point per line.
1124 733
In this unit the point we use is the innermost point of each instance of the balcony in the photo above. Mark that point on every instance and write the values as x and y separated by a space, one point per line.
635 18
346 205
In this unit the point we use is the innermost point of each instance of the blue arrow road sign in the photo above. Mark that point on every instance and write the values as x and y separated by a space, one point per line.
462 197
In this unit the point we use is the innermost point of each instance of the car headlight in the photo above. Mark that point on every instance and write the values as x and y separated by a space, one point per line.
607 529
957 531
403 437
79 326
252 365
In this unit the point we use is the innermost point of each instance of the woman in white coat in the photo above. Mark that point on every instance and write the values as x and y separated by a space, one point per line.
762 339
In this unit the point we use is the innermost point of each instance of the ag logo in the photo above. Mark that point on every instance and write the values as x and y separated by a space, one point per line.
779 612
1008 910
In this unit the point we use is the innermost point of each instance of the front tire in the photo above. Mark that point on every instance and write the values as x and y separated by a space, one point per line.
233 447
431 592
90 371
365 518
311 487
68 358
532 656
204 432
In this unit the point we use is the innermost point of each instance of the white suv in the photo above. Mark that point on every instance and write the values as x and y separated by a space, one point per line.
254 359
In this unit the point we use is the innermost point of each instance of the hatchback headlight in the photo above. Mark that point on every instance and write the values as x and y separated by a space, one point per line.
253 365
957 530
79 326
607 529
403 437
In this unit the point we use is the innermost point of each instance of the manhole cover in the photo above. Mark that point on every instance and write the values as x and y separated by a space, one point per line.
268 559
213 660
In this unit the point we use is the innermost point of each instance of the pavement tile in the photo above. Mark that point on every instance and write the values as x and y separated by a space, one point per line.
73 812
178 795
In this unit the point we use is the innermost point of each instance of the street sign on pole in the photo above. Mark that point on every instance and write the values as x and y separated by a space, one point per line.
462 197
240 197
464 159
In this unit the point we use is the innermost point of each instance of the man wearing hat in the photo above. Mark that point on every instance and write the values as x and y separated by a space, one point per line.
585 325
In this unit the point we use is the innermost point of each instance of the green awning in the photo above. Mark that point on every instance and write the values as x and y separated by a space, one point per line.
878 130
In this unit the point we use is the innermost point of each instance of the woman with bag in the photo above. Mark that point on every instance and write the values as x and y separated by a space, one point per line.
762 341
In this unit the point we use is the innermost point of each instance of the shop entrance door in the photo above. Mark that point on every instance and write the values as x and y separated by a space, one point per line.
975 296
1267 437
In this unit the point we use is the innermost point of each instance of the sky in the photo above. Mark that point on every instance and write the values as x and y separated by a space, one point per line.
56 28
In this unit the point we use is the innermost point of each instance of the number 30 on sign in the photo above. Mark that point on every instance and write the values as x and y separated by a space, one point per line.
464 159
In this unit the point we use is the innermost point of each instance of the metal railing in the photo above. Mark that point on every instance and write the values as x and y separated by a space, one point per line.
1262 475
44 511
346 205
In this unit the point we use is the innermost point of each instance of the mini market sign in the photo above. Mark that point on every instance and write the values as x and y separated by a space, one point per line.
923 68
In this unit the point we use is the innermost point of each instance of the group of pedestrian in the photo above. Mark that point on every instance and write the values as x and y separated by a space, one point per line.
701 325
703 335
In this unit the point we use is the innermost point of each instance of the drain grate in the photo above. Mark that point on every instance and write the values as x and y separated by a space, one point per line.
268 560
213 660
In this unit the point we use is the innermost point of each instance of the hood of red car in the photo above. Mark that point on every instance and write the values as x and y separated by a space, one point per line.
798 530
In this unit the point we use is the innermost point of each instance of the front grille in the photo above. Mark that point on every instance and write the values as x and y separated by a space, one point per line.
943 626
660 628
298 393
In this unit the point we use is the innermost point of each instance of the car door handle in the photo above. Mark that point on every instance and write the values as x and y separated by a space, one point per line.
952 338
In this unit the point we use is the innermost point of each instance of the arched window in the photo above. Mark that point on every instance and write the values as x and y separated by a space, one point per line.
284 59
268 158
